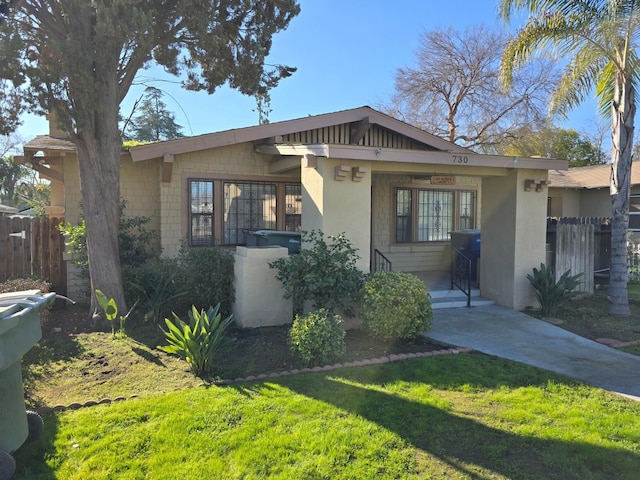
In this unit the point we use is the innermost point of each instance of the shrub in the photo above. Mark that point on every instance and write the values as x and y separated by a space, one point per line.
324 274
20 284
317 337
206 274
199 341
137 244
551 294
395 305
155 284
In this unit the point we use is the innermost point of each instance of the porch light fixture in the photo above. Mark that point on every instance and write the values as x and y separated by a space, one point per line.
358 173
342 172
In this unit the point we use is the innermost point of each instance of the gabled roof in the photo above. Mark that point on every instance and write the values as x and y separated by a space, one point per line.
365 115
48 144
590 177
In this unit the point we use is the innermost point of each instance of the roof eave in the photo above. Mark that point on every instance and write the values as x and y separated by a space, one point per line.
259 132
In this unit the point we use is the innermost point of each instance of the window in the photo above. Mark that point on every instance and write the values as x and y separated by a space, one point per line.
248 206
634 213
222 211
293 207
201 218
429 215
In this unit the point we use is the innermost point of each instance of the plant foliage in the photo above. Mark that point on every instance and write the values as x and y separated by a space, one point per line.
551 294
206 273
157 286
110 309
598 42
317 337
78 60
198 341
395 305
324 274
138 244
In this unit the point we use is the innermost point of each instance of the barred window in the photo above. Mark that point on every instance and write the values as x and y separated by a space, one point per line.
248 206
241 206
424 215
201 218
293 207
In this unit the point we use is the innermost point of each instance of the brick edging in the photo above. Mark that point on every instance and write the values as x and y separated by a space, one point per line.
265 376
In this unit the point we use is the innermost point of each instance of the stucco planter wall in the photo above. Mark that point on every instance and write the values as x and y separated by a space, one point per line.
259 295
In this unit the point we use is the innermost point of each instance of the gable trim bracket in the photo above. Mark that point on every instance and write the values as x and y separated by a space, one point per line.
358 133
167 167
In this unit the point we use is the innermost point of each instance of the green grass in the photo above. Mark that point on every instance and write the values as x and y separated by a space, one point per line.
589 317
633 291
70 365
462 416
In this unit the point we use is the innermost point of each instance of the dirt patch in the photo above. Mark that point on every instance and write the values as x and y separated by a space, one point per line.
72 363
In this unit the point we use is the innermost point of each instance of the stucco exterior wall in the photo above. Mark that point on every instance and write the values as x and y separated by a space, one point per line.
513 237
339 206
595 203
260 298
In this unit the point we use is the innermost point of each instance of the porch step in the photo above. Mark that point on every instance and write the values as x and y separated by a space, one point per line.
456 299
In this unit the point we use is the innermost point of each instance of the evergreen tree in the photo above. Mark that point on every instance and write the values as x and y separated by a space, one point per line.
78 60
153 122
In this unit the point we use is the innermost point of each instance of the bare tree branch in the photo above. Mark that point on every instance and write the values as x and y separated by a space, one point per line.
454 89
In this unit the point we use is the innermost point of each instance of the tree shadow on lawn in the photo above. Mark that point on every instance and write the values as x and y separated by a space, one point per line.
469 447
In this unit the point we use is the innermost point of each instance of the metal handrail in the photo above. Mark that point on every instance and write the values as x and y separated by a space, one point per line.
380 262
461 273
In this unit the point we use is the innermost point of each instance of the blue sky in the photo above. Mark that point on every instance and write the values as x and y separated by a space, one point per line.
346 52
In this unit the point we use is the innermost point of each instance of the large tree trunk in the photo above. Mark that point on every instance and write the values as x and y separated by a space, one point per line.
623 113
99 144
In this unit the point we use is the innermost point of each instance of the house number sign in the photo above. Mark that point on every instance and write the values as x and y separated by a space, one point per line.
461 159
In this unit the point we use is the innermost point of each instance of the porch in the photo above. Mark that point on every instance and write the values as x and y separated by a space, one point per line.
438 285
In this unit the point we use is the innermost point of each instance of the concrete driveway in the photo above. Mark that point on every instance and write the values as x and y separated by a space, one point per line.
509 334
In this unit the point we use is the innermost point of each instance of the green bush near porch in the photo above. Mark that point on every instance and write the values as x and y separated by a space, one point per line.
396 305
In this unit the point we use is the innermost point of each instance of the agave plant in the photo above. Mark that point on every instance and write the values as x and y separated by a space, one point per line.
550 293
198 341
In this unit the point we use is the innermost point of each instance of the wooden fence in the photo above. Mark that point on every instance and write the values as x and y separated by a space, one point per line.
582 244
33 247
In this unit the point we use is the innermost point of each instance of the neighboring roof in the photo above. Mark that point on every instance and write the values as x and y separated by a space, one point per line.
49 144
591 177
269 130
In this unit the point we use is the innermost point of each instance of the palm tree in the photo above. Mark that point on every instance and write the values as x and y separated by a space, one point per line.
598 38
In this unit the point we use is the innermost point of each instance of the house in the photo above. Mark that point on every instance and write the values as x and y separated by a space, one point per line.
393 189
584 192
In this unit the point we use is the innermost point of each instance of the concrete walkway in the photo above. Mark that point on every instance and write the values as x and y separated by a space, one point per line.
509 334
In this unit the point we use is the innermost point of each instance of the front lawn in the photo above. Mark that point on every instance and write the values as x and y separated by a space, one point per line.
71 364
589 317
453 416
